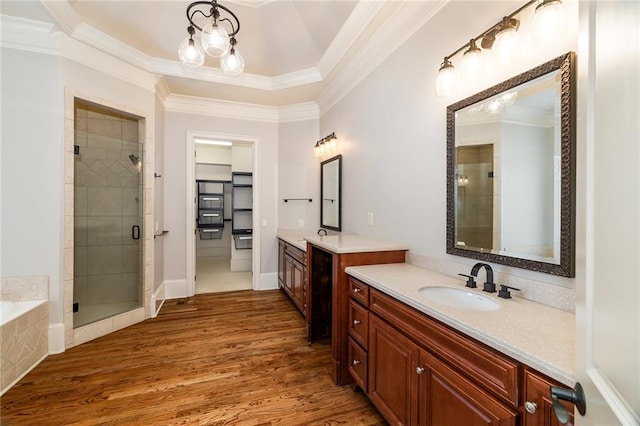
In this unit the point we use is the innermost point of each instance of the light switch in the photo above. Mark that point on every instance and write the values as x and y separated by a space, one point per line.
300 223
370 218
264 223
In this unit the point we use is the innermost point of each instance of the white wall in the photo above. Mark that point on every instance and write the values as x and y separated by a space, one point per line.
176 127
394 155
32 170
298 175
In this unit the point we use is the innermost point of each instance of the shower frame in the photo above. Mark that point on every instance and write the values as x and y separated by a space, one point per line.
73 337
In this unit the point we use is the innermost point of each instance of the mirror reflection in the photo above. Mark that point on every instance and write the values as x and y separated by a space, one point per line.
331 193
510 175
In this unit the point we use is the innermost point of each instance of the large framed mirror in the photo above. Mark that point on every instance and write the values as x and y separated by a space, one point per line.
331 193
511 171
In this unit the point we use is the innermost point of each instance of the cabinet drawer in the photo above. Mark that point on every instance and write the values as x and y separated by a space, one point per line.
296 253
210 217
359 323
358 364
492 370
359 291
210 201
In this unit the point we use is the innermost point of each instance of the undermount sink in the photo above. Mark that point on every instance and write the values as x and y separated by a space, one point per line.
459 298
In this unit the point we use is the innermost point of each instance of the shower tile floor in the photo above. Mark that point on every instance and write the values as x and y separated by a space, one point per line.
92 313
213 275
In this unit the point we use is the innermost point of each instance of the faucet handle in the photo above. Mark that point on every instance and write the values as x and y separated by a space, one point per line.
471 282
504 291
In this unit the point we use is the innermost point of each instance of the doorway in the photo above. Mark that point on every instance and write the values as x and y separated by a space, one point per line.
223 216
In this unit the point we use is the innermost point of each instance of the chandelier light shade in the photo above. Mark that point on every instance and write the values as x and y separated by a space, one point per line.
502 40
216 38
190 52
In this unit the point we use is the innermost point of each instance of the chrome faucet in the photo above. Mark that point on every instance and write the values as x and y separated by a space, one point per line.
322 230
489 285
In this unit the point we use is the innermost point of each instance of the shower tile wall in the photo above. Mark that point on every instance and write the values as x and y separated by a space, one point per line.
108 202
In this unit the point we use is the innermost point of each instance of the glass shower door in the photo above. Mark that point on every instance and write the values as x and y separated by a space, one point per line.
108 214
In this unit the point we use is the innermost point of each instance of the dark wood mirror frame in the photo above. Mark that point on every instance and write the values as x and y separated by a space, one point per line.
338 159
566 267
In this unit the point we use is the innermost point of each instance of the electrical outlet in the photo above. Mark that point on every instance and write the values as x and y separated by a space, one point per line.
370 218
300 223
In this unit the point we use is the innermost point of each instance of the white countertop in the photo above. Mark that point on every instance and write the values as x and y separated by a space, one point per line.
339 243
345 243
537 335
295 238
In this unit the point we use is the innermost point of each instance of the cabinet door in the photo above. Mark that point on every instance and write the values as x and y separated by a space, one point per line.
392 373
281 266
297 282
538 405
447 398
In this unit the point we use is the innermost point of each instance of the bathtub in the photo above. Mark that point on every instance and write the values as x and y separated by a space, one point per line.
12 310
24 328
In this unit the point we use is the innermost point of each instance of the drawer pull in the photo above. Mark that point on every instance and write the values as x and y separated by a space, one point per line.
356 290
210 214
419 370
356 322
531 407
355 362
210 199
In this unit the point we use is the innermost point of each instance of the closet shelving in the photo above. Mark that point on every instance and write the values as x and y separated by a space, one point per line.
210 209
242 209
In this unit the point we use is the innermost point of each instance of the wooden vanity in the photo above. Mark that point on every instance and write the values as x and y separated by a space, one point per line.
324 293
418 370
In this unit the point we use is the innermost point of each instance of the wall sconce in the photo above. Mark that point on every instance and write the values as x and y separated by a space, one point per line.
463 180
502 38
326 145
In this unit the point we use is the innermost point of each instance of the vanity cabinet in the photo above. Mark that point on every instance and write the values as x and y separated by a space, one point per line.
292 274
538 407
419 371
329 293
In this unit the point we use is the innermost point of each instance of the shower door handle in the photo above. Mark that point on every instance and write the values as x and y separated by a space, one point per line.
135 232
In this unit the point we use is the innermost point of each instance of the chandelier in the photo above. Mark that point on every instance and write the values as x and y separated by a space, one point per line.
218 28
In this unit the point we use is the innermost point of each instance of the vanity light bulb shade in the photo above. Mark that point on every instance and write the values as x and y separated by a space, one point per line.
505 48
215 39
190 53
471 65
232 63
445 81
546 22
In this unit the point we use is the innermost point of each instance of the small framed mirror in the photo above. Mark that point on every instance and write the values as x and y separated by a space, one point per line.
511 171
331 193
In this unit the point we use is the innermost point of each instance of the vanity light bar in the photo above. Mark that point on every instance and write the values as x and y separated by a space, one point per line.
487 38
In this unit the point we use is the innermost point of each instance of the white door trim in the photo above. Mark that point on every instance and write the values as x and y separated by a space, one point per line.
191 209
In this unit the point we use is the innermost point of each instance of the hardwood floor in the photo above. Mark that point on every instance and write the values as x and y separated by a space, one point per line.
226 358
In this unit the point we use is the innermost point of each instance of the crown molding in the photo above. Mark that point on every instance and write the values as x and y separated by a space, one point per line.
299 112
241 111
401 24
29 35
162 89
359 19
221 109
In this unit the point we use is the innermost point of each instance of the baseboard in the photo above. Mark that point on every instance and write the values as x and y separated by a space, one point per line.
158 295
174 289
268 281
56 338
